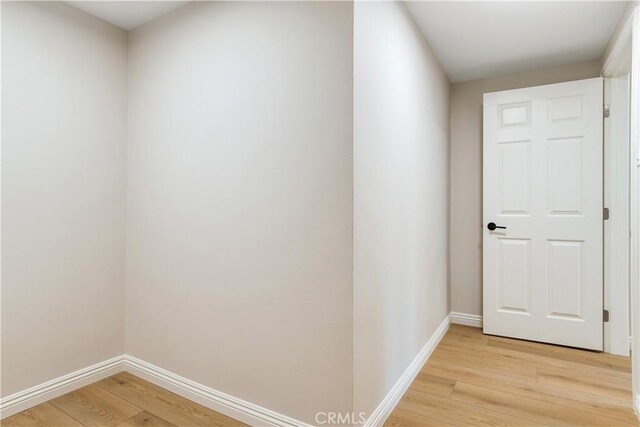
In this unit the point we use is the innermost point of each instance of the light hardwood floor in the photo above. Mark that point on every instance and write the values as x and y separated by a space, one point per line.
122 400
473 379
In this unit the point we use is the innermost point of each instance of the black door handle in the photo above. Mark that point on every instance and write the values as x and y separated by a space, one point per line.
492 226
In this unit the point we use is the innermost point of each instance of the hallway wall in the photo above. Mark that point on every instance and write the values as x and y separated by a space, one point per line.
239 256
64 117
466 173
401 205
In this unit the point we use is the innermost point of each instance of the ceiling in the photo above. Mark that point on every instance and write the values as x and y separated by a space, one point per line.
480 39
127 14
472 39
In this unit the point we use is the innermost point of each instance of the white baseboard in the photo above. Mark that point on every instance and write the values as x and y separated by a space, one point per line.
218 401
33 396
388 404
466 319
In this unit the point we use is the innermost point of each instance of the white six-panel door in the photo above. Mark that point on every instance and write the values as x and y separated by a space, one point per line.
543 160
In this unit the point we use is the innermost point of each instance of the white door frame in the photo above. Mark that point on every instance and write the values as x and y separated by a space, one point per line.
635 211
629 38
616 196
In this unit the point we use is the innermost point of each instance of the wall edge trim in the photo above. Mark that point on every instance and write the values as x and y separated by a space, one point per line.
25 399
216 400
388 404
211 398
474 320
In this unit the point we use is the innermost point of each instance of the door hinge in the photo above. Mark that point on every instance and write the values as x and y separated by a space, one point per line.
605 315
607 111
605 213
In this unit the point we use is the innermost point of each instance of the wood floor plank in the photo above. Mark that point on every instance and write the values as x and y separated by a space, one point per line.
572 398
456 353
525 358
44 415
164 404
467 334
534 410
564 353
432 384
457 372
572 369
598 405
591 374
145 419
94 406
448 411
402 418
470 329
598 356
582 382
498 355
503 381
486 365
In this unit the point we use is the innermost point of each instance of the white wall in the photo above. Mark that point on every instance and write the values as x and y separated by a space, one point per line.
239 257
243 272
64 102
466 173
401 186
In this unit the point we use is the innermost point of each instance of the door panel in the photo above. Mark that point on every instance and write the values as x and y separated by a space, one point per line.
564 176
514 265
515 177
564 281
543 154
